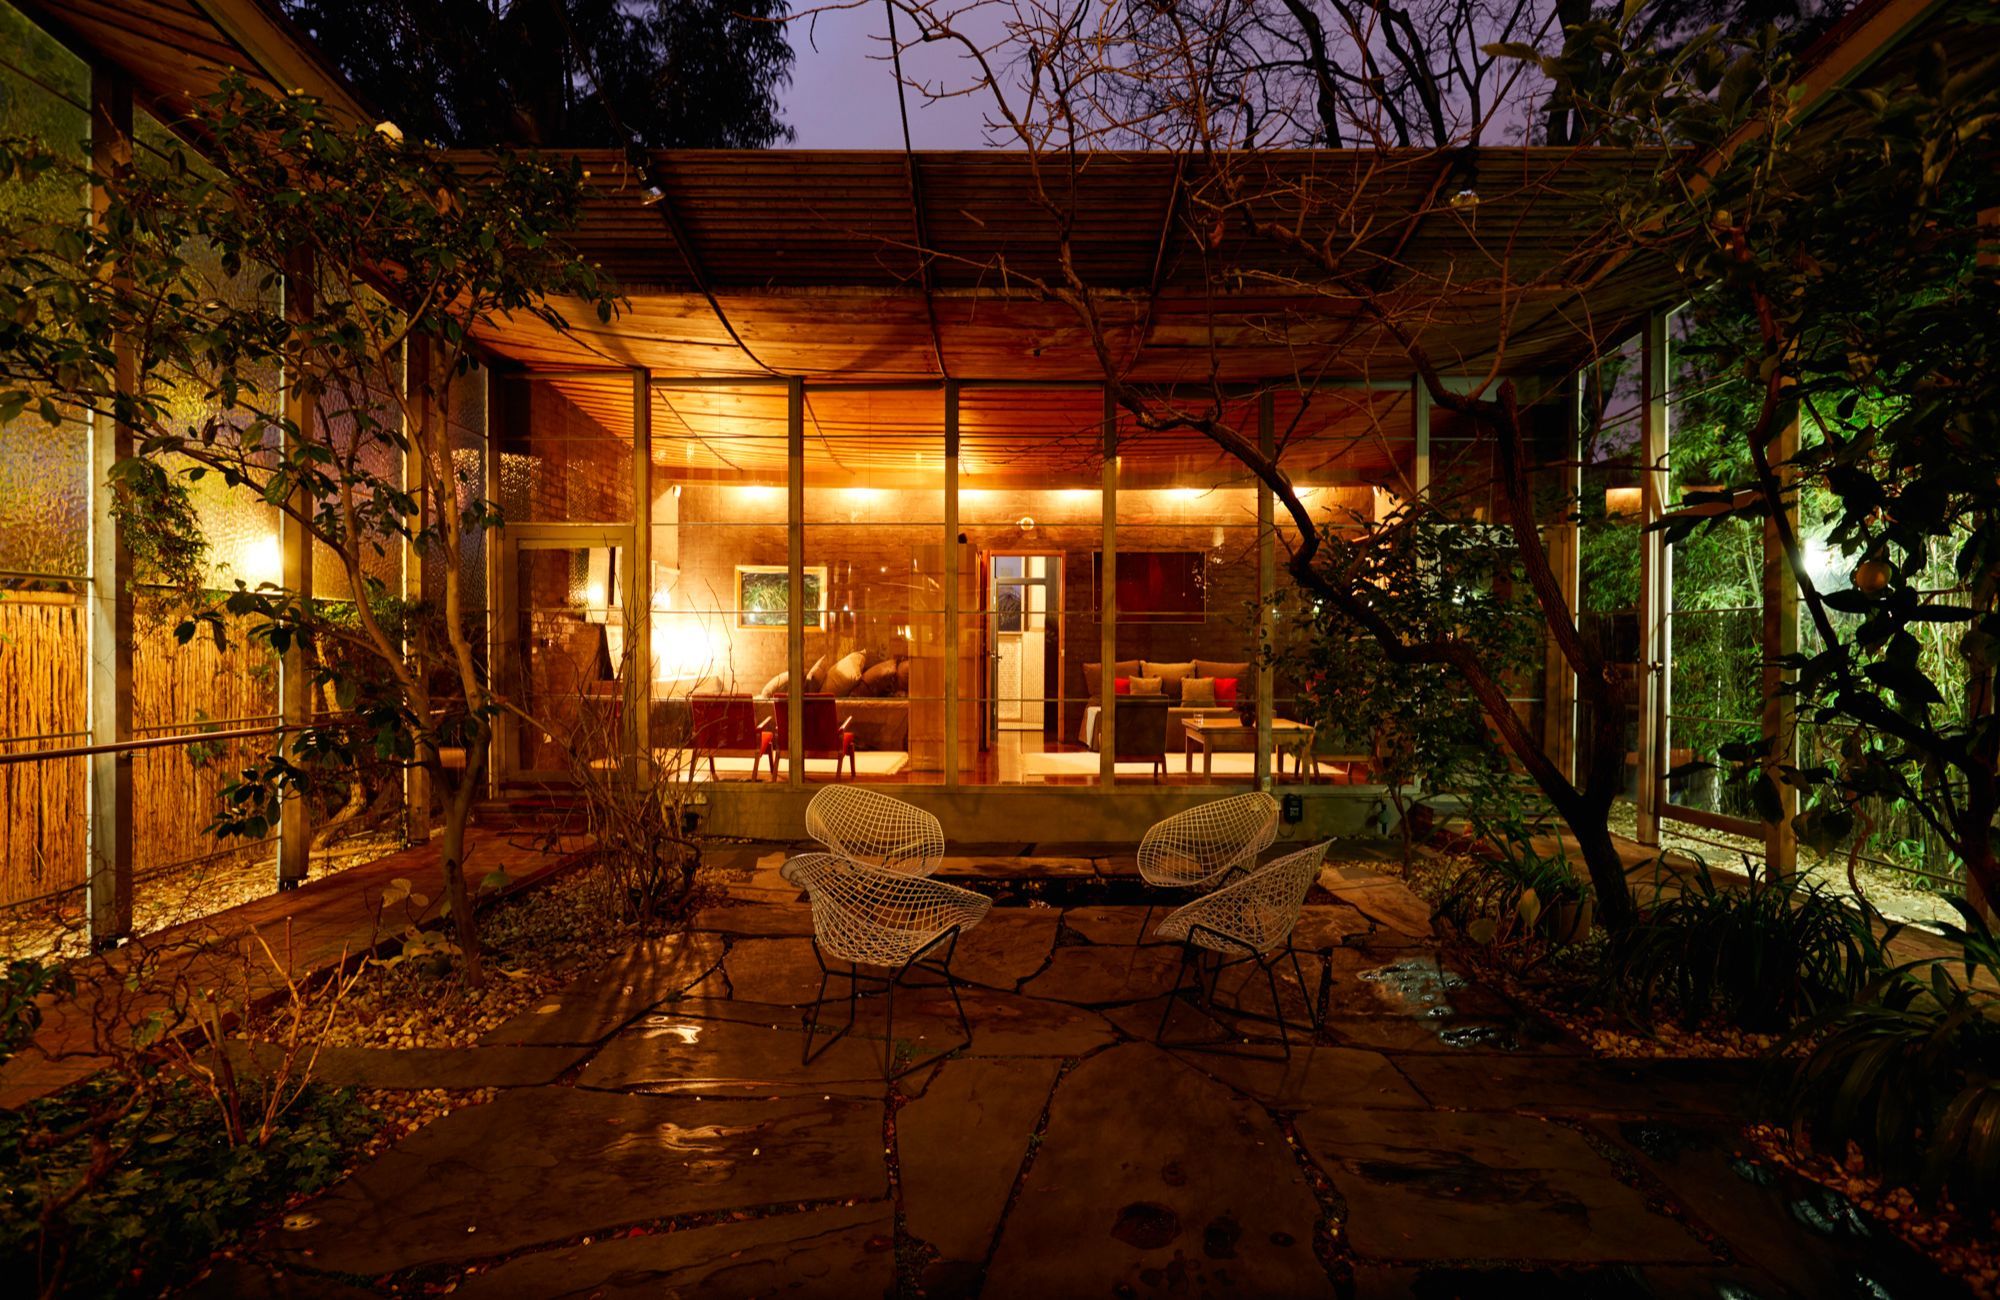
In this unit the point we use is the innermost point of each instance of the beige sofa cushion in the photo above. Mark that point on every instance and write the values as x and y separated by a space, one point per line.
1198 691
1093 687
1143 686
1220 668
1170 675
845 673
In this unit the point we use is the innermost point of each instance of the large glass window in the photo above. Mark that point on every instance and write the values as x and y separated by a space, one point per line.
1031 521
721 591
874 533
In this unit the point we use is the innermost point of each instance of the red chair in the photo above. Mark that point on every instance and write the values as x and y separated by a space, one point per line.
727 725
828 735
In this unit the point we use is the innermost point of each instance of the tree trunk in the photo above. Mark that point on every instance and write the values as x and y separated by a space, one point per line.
457 816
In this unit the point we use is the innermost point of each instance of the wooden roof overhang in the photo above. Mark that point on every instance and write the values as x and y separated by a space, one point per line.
802 263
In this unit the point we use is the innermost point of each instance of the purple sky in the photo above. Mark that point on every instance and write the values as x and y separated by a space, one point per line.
843 93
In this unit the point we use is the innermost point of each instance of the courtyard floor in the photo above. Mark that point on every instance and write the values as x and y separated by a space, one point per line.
654 1132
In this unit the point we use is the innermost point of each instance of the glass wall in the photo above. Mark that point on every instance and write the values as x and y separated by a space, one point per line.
721 593
1030 522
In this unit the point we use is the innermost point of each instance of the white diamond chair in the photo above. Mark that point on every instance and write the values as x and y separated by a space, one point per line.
1208 844
874 830
871 918
1248 921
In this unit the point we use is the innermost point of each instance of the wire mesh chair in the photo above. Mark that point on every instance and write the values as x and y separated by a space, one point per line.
1249 921
867 917
875 830
1207 844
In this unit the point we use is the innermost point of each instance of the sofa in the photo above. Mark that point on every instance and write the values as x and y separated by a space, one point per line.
1172 678
874 695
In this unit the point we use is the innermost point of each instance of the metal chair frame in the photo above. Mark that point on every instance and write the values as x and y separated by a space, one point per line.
1159 854
895 922
1195 956
886 984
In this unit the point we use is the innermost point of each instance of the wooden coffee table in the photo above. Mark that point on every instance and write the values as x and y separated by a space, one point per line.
1234 736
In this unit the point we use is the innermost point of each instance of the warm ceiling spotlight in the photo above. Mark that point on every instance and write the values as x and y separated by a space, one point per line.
1027 523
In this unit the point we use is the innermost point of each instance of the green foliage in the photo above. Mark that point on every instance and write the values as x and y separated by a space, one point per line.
1761 955
1909 1072
1429 580
1838 267
177 1192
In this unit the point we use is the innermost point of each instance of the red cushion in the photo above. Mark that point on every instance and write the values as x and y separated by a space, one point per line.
1121 686
1225 689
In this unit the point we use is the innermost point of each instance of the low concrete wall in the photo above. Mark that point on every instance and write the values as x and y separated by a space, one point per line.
1030 815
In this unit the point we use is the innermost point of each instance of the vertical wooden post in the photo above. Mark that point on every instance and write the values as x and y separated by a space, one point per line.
1420 430
109 702
295 544
1566 557
795 564
1781 638
1267 574
952 612
417 383
1655 579
499 636
638 666
1107 605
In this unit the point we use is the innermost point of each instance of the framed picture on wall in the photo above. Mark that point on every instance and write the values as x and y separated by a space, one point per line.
763 596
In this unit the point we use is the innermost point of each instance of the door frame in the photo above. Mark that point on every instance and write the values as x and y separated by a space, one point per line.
1052 584
509 661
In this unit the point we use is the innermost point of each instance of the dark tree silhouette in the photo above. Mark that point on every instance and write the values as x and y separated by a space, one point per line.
675 73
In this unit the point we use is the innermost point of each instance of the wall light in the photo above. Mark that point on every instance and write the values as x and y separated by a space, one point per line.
263 560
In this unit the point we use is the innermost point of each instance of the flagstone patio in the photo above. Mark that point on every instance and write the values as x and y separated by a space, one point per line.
656 1133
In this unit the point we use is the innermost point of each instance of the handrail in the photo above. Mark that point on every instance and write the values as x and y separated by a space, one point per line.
149 742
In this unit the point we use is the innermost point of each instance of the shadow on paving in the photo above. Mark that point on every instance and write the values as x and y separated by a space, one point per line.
1435 1141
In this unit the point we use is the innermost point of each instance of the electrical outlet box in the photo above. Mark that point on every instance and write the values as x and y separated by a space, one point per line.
1294 809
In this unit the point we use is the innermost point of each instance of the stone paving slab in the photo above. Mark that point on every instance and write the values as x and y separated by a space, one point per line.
1007 947
1094 975
1153 1180
779 971
1427 1185
1314 1076
831 1254
1812 1239
758 920
1328 925
544 1165
960 1147
242 1279
1386 902
1452 1036
417 1068
671 1053
1003 1024
1598 1282
599 1005
1118 925
1586 1086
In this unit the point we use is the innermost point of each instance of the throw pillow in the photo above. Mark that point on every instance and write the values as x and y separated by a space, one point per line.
775 687
816 676
1121 686
1227 689
1171 676
1199 692
878 680
846 673
903 675
1143 685
1218 668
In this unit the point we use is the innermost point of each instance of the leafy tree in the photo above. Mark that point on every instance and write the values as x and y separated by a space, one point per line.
698 74
1851 263
165 313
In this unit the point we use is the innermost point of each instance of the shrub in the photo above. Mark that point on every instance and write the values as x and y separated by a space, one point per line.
178 1190
1909 1072
1763 956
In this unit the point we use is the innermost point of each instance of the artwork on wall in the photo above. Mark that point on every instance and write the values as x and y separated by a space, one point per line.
763 595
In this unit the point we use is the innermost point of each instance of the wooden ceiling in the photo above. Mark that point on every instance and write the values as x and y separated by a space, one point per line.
808 263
